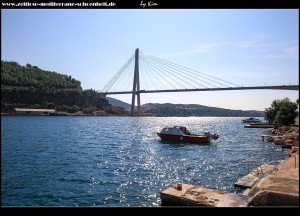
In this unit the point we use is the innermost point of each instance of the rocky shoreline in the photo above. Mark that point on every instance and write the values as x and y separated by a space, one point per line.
285 137
280 186
273 186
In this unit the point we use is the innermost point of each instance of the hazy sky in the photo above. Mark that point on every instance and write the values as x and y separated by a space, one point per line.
246 47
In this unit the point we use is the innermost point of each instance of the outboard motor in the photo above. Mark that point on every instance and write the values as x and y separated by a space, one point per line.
212 136
215 136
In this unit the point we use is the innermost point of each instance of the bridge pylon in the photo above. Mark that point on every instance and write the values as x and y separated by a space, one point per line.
136 85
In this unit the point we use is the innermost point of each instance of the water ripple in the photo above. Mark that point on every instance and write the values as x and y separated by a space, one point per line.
120 161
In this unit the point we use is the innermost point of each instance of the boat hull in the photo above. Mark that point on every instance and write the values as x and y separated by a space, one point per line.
251 121
185 138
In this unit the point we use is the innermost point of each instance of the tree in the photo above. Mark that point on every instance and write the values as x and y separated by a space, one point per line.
73 109
282 112
31 86
31 89
89 110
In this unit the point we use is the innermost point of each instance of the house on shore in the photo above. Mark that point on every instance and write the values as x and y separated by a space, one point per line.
26 111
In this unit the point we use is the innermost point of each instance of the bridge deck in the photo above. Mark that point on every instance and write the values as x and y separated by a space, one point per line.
282 87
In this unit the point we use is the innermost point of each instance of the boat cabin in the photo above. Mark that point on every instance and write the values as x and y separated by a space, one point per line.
176 130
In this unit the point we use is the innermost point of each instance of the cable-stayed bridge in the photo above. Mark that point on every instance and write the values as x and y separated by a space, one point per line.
149 74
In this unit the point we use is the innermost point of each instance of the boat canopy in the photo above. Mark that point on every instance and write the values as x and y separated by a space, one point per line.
176 130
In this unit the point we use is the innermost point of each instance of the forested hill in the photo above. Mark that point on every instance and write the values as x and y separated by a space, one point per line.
13 74
184 110
31 87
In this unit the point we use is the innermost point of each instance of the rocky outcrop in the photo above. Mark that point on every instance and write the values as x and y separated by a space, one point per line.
271 198
281 186
286 139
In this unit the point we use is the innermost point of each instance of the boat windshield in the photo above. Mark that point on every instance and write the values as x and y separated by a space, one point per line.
185 130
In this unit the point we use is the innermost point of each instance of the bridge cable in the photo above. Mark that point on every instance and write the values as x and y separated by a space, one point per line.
155 77
189 75
150 64
168 77
123 80
176 70
146 76
181 75
196 72
111 82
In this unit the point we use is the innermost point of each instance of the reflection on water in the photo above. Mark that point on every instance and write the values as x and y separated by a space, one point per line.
176 144
120 161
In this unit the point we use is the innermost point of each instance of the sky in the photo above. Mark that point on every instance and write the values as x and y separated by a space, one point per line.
249 47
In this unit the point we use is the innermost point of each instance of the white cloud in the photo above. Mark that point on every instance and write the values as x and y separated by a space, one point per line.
259 44
246 74
256 41
291 52
248 44
203 48
278 50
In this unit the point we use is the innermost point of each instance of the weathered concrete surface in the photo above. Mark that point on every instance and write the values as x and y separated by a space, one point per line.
294 150
252 178
247 181
191 195
279 188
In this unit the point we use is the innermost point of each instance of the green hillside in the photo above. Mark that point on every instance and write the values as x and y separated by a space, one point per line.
119 103
13 74
184 110
31 87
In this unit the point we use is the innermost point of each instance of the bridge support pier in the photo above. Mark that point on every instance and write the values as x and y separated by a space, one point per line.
136 85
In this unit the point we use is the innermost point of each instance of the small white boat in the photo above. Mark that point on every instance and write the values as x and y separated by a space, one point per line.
251 120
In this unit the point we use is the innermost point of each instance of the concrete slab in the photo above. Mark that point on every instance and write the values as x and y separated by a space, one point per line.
247 181
258 126
279 188
191 195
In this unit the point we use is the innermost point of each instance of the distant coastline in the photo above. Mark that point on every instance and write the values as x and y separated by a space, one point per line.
29 87
155 110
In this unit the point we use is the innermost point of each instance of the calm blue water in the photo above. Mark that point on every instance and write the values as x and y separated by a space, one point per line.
120 161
